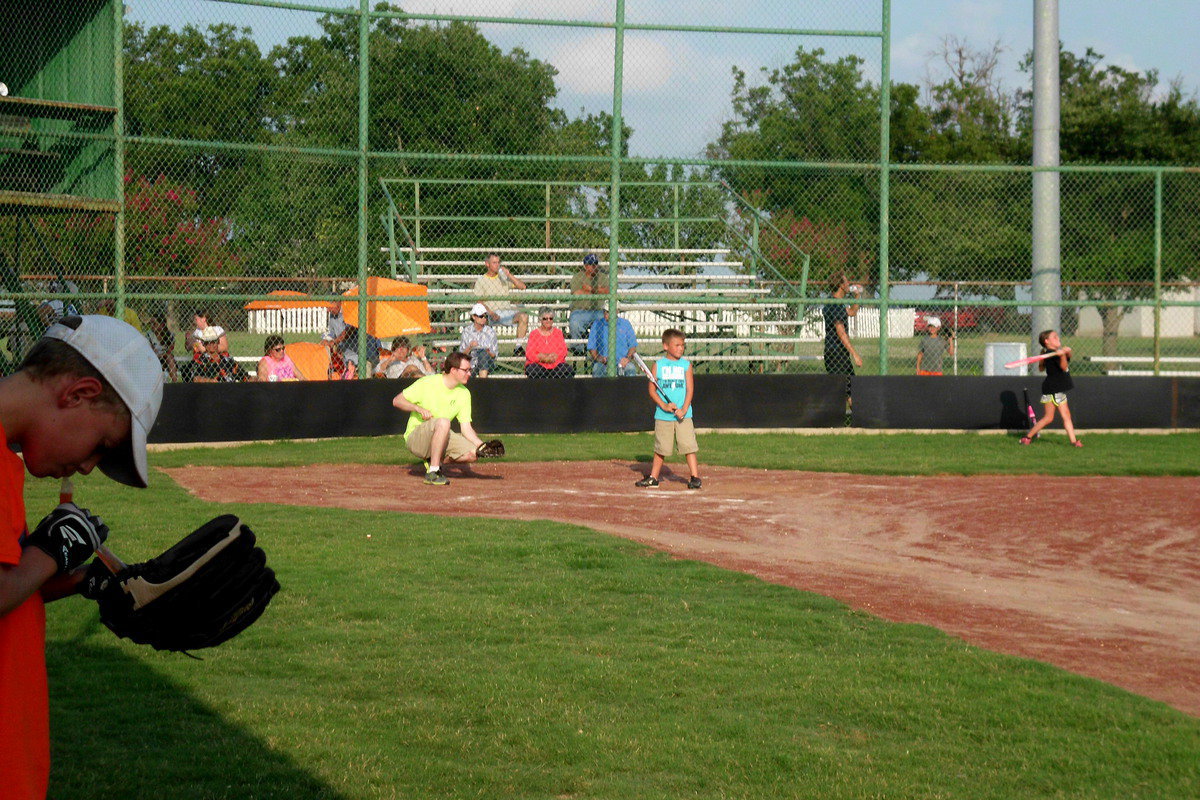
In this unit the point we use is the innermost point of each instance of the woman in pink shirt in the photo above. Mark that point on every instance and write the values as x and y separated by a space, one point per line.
276 364
546 350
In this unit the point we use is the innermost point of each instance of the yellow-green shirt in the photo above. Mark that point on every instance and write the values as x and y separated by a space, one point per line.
431 393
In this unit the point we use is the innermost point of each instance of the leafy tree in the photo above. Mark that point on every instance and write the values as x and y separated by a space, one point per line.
438 89
818 110
201 85
970 114
165 233
1113 115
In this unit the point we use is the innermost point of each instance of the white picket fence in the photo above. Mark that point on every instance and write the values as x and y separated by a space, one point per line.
289 320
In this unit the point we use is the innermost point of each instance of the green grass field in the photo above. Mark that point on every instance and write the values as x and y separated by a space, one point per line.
482 658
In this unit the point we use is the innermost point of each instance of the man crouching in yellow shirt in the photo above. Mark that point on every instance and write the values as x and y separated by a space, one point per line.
432 403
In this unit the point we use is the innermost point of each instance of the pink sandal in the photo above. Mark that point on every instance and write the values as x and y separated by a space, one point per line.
1077 443
1026 440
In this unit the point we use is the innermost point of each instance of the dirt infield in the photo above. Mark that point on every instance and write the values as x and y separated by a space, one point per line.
1108 585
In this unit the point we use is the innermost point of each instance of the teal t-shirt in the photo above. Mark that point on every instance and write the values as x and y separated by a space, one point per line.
672 379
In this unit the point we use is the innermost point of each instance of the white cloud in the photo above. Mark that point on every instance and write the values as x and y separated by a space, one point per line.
585 65
910 57
978 20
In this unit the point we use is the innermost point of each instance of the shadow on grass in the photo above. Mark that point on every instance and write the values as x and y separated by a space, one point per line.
119 729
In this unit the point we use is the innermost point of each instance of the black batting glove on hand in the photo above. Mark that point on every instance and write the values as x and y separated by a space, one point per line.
69 535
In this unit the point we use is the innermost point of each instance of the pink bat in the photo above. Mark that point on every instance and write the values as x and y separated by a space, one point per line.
1032 359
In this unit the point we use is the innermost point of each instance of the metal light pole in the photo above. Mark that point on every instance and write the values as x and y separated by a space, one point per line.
1047 266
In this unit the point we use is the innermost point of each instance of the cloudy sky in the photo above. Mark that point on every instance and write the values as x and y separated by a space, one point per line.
676 86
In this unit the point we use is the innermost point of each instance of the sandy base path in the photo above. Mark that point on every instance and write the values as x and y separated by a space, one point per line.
1111 590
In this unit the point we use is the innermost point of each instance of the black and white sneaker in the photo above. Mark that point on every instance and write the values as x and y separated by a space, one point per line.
694 482
648 481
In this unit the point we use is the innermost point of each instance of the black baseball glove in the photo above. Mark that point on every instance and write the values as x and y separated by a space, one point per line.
492 449
206 589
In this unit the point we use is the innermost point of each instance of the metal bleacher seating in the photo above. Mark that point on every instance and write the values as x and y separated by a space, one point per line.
729 315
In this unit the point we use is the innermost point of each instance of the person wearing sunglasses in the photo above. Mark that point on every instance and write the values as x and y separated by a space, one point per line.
479 342
276 364
432 403
546 353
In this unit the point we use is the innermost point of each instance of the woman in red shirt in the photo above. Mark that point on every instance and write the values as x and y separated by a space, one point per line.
546 351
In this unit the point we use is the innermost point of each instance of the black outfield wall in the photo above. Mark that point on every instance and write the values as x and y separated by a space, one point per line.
206 412
970 403
195 412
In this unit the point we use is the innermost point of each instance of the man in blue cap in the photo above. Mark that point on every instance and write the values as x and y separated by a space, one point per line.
586 307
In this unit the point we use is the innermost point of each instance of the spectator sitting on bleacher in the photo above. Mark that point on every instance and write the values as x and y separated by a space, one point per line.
108 307
162 342
276 364
546 353
492 290
598 346
211 365
479 342
51 311
344 338
405 361
339 368
586 311
193 341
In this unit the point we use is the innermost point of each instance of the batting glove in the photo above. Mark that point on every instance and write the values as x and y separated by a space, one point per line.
69 535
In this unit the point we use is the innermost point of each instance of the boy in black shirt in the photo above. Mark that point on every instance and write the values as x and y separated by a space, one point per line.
1055 387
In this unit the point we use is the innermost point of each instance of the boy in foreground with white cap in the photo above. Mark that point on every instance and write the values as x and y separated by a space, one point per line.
86 396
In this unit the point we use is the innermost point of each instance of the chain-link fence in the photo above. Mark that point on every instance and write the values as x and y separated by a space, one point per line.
185 163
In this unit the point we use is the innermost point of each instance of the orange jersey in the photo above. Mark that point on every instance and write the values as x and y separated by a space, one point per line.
24 703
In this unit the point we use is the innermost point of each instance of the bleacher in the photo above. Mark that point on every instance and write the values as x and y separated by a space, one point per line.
729 315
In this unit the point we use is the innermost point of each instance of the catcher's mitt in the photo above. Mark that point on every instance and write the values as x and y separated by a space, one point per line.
206 589
492 449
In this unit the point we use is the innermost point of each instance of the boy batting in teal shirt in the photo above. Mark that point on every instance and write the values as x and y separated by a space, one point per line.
673 413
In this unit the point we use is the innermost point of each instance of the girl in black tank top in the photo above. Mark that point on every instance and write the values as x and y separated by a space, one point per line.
1055 387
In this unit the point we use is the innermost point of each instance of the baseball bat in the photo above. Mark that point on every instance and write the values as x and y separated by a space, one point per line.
1032 359
1032 419
66 494
645 368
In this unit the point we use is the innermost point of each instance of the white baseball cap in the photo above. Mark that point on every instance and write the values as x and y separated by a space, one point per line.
479 310
127 362
933 322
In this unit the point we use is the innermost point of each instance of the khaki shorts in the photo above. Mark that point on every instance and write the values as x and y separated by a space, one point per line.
668 431
421 438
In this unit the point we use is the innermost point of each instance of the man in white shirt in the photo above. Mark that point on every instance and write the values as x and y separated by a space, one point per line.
492 289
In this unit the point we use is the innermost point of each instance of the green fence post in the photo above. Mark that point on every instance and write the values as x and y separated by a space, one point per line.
614 211
364 58
1158 209
119 155
885 109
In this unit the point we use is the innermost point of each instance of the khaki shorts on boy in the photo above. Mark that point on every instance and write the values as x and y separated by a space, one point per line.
420 440
668 432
